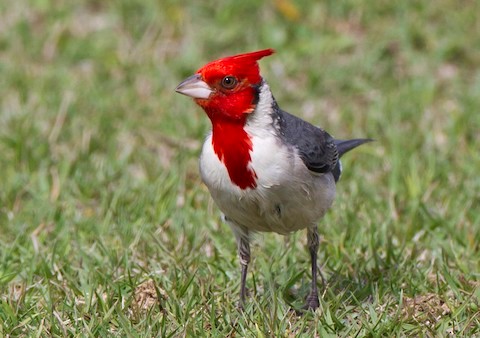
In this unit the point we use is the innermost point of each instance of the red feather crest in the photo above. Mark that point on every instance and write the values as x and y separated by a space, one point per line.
241 65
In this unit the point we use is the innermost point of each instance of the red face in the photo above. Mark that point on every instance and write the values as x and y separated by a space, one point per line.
226 87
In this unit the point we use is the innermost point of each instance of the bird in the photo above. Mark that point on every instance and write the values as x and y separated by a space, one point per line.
266 170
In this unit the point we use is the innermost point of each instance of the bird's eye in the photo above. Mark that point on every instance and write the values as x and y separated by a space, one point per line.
229 82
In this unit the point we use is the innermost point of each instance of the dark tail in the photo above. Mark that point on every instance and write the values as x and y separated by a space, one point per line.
345 146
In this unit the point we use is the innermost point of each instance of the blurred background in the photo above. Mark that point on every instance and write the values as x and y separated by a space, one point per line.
100 195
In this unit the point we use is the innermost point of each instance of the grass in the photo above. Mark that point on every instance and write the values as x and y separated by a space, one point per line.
106 229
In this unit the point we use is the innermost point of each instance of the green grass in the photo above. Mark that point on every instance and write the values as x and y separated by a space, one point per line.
100 193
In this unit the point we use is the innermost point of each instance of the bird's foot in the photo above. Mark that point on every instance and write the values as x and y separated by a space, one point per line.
312 302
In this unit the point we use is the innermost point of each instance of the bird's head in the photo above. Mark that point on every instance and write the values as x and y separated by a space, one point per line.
226 88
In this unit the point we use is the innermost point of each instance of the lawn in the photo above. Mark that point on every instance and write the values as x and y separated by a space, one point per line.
107 230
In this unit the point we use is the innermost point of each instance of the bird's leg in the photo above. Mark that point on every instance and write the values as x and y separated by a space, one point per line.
244 254
313 244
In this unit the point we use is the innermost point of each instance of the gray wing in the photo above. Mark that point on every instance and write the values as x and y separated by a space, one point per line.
316 147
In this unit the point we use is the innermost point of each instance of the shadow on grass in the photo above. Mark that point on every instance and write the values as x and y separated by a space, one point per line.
353 287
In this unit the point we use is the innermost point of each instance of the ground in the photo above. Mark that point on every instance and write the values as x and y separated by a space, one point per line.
106 229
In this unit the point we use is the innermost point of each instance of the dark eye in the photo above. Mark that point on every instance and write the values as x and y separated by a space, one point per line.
229 82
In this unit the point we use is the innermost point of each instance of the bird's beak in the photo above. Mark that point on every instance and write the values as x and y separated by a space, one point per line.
194 87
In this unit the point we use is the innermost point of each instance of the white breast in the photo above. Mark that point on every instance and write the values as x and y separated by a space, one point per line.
288 196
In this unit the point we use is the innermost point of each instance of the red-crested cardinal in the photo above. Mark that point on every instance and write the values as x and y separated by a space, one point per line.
266 170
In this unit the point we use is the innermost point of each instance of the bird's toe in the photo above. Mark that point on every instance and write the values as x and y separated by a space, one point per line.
312 302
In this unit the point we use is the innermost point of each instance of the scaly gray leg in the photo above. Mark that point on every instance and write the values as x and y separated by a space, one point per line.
244 254
313 244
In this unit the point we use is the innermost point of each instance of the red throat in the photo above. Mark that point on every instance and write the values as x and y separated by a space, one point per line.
233 145
228 106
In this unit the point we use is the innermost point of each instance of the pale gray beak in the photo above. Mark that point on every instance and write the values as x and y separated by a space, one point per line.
194 87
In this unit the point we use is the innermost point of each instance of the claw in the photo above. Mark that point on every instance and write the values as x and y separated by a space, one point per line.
312 302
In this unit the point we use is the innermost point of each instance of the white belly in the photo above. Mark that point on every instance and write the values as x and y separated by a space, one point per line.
288 196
